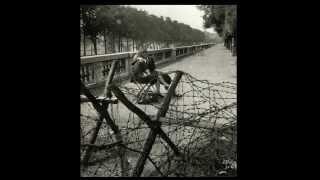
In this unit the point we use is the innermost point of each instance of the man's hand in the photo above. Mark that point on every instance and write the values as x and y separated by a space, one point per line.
148 71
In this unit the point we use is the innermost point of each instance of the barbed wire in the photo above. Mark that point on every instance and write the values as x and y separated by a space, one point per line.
201 122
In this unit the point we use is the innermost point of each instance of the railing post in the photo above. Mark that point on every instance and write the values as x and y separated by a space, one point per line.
173 54
109 79
128 63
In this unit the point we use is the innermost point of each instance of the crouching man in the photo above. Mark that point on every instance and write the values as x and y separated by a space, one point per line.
143 71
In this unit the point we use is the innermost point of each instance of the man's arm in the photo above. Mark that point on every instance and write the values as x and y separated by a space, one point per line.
162 80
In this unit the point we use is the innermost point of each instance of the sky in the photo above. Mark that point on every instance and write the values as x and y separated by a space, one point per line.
187 14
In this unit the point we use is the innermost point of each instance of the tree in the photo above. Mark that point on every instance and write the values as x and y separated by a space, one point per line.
91 26
117 21
224 20
106 19
222 17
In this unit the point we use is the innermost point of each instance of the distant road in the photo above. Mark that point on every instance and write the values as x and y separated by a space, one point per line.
215 65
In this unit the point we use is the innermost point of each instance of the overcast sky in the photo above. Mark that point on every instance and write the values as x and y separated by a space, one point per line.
187 14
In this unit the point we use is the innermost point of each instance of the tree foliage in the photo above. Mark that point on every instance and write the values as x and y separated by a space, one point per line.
91 25
222 17
131 23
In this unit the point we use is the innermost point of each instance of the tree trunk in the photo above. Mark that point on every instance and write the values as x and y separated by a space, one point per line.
128 44
137 45
122 45
119 45
84 44
84 35
105 41
94 40
113 43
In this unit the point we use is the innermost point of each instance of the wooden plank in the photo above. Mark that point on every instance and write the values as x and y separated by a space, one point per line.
164 107
155 126
98 107
106 92
84 99
103 114
194 124
102 109
117 92
146 151
107 146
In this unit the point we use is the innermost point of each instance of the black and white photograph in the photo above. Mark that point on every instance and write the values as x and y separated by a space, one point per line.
158 91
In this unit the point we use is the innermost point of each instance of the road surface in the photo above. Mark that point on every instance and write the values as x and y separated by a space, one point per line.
216 64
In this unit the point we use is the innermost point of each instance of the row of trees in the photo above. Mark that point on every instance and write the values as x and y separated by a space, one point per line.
115 23
224 20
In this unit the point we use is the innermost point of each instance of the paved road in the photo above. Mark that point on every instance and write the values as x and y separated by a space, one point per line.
216 65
